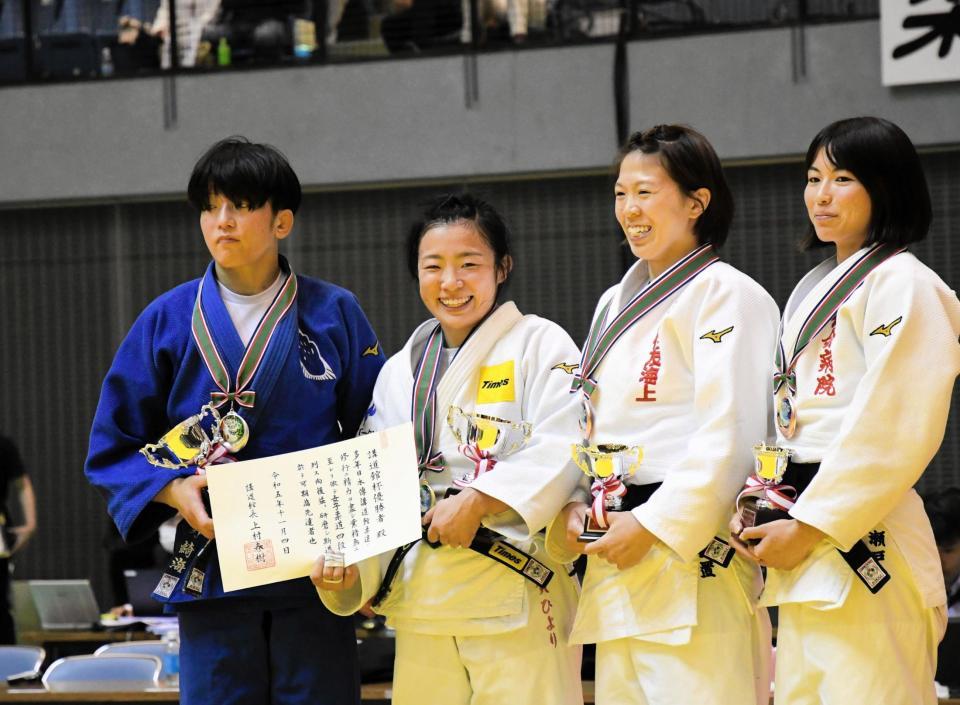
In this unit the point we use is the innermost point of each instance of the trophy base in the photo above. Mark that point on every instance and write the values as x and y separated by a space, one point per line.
591 530
762 512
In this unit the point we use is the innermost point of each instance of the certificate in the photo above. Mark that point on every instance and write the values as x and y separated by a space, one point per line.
274 516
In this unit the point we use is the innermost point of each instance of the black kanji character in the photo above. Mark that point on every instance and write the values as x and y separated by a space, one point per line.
943 25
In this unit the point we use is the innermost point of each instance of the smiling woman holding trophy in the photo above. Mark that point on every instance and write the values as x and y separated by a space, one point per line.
864 373
673 389
482 615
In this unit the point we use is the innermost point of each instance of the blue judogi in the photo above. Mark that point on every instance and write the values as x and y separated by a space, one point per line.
324 379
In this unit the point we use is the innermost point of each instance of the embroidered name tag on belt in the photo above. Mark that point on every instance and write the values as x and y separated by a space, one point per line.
718 551
496 384
517 560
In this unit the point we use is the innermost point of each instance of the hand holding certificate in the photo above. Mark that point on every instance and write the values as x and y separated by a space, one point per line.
274 516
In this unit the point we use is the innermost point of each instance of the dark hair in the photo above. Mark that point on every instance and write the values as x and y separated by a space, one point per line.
244 172
692 163
885 161
943 510
456 207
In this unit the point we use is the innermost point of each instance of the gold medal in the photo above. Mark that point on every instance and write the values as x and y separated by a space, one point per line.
234 431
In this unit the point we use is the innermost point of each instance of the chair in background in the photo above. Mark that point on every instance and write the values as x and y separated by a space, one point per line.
151 648
20 659
123 671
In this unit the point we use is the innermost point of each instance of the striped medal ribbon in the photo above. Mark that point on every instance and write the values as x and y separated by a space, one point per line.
238 391
601 340
785 376
424 404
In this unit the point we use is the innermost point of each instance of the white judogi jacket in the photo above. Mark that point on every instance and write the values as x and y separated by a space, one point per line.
873 395
457 591
697 419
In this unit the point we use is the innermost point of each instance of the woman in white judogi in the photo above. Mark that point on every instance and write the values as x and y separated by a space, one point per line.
675 365
864 376
476 629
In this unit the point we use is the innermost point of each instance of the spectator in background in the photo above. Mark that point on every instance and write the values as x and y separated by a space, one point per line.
143 38
416 25
501 20
12 538
943 509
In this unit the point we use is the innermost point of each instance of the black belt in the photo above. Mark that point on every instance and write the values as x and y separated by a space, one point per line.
717 551
639 494
864 564
485 542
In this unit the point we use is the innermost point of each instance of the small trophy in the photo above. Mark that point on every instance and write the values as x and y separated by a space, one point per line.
187 443
763 501
485 439
608 464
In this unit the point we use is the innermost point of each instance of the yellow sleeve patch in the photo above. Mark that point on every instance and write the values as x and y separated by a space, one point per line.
496 384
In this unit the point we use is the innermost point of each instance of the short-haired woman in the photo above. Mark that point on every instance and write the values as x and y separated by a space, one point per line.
867 359
489 626
675 369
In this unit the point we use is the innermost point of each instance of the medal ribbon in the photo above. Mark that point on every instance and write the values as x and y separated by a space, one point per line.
425 403
255 351
826 311
656 292
483 462
610 485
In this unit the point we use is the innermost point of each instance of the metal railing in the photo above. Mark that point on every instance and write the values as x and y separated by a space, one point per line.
49 40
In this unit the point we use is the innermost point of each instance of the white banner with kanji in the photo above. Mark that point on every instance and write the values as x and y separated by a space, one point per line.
920 41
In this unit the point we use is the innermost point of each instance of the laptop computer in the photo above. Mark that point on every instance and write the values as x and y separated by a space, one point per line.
65 604
140 585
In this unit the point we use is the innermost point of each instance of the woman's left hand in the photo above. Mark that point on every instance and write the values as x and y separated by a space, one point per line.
625 543
784 543
454 520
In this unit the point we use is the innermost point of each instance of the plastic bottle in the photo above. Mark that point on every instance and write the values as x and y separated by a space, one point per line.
106 63
171 658
223 52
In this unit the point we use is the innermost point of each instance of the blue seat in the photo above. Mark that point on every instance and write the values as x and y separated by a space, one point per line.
131 671
20 659
152 648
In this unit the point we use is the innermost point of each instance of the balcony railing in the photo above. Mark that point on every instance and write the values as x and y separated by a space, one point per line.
56 40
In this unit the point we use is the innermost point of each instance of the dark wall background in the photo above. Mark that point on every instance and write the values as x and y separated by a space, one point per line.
73 280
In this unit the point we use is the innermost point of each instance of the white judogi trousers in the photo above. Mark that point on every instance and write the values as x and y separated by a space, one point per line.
703 671
888 655
533 665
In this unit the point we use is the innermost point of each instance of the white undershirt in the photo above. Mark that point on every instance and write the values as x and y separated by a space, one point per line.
246 311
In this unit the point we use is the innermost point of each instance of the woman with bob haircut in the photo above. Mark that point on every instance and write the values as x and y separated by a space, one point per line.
482 615
865 369
674 389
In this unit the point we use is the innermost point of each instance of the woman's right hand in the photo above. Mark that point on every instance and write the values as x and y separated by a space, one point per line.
736 526
185 495
573 516
336 578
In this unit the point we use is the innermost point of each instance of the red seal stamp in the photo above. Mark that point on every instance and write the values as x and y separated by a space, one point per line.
259 555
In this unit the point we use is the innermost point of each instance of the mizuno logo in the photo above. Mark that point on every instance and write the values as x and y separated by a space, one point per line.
567 367
372 350
715 336
886 330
